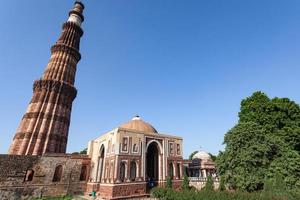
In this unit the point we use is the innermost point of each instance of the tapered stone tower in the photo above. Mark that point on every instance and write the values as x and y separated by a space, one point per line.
45 125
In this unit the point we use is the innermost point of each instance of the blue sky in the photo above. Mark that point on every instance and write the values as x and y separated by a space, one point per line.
183 66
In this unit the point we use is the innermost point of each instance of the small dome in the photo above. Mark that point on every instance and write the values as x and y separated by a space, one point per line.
202 155
138 124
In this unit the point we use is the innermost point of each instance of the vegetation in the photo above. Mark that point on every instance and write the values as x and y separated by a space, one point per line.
84 151
192 154
261 160
68 197
169 182
213 157
264 144
170 194
185 183
209 185
274 190
222 186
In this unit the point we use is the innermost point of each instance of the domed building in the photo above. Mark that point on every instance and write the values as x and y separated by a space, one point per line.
201 165
133 157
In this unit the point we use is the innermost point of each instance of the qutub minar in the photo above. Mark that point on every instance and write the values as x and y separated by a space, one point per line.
125 162
45 125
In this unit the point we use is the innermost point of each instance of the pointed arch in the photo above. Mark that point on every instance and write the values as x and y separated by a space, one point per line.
29 175
122 171
83 173
133 170
178 170
100 165
171 170
57 173
158 144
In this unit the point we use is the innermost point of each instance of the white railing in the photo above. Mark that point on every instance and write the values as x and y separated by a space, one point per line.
202 179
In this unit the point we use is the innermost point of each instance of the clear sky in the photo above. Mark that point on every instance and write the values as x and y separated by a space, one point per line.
183 66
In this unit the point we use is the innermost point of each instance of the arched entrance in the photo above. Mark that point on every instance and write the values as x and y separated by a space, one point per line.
152 162
100 164
171 170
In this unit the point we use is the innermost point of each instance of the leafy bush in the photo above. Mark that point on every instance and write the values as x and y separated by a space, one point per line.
209 185
185 183
170 194
222 186
169 182
158 192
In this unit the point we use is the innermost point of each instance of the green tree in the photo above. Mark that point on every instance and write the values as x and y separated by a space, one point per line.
192 154
209 185
222 186
84 151
169 182
185 183
265 141
213 157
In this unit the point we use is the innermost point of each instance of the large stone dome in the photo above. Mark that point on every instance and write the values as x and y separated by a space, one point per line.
202 155
138 124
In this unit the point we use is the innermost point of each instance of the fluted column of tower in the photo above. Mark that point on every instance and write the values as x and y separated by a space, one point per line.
45 125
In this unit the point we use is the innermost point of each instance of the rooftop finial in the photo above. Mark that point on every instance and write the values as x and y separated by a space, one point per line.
137 117
80 3
75 15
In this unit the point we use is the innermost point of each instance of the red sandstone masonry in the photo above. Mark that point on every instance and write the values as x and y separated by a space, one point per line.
44 127
119 191
13 170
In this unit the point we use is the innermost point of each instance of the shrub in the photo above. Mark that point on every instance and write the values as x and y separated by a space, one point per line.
170 194
185 183
209 185
276 188
169 182
158 192
222 186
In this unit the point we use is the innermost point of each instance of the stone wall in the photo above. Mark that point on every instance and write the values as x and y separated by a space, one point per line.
13 170
120 191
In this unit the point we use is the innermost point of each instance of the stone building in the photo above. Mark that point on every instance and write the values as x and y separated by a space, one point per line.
125 159
199 168
121 163
37 164
201 165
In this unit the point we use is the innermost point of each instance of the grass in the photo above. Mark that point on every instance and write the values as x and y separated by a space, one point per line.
67 197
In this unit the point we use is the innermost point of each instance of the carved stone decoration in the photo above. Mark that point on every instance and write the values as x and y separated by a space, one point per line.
178 149
125 144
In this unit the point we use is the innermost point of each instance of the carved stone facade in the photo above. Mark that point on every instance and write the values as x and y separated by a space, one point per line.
26 177
125 160
45 125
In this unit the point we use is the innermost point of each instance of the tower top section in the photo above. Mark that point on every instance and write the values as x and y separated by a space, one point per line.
75 15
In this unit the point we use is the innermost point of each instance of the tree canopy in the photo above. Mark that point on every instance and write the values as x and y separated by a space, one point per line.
192 154
84 151
264 142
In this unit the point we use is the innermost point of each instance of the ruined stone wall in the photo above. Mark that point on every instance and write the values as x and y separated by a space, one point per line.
13 170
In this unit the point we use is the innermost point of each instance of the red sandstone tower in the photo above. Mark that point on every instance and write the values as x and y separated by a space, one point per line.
45 125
